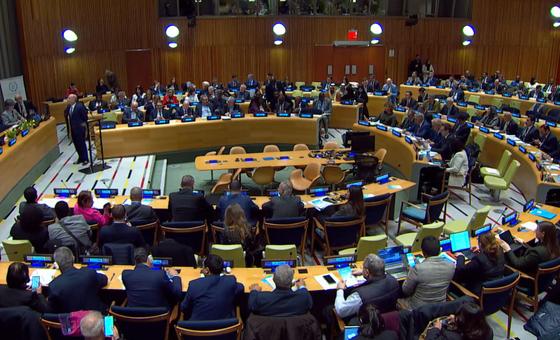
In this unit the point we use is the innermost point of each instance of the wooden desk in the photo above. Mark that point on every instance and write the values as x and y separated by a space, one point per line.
176 136
16 161
343 116
485 99
376 104
56 110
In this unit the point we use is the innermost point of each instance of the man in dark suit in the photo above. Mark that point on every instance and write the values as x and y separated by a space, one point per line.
234 83
236 196
251 83
444 145
76 115
423 128
282 301
458 94
219 103
529 133
187 205
548 142
98 103
380 289
537 93
243 93
422 95
30 195
204 107
146 287
120 231
449 109
159 112
286 205
24 107
182 255
212 297
138 213
461 130
75 289
408 101
508 125
271 87
185 110
231 107
132 114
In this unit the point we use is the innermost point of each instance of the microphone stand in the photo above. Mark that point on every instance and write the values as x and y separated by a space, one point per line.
98 167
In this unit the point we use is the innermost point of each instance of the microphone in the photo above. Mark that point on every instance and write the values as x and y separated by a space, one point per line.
501 215
64 184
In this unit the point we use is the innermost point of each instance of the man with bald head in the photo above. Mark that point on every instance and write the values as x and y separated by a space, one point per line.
188 204
132 114
24 107
76 115
391 90
137 212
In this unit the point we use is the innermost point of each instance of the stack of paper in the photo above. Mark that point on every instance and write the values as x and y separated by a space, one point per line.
98 203
493 171
529 226
320 203
323 282
45 275
349 279
52 201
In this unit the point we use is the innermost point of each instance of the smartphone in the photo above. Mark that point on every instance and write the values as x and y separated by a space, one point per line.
35 282
410 260
329 279
108 326
302 271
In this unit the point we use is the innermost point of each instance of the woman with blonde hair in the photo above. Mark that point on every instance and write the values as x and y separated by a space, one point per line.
488 264
237 230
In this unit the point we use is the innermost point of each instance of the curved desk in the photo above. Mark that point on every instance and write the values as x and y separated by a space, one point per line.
124 141
22 163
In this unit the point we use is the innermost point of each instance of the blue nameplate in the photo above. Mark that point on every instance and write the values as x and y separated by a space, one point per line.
498 135
506 94
541 100
522 149
408 140
511 142
102 110
556 103
524 97
440 87
187 119
260 114
408 83
25 132
172 106
305 100
551 123
436 115
283 114
532 157
499 110
400 109
489 92
480 107
199 91
306 115
194 103
161 121
470 125
380 93
213 117
237 115
462 104
108 125
346 102
239 101
12 142
516 114
396 133
363 122
452 120
135 124
484 129
1 150
381 127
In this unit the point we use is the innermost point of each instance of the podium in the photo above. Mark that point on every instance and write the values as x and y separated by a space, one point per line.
91 169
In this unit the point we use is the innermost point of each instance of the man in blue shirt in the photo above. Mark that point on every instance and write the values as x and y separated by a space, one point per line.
236 196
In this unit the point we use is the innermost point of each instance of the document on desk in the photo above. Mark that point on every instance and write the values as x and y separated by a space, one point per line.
45 275
327 281
492 171
350 280
145 201
532 226
320 203
52 201
268 280
98 203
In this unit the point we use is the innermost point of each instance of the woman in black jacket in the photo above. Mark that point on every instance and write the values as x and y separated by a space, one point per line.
29 227
16 293
469 324
362 98
372 325
488 264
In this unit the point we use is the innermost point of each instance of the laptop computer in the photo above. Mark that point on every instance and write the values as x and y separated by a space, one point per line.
461 242
351 332
508 238
394 264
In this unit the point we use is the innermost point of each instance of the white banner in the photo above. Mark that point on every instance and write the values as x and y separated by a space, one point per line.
13 86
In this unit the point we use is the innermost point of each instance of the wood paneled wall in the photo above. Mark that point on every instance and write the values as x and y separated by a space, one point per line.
515 36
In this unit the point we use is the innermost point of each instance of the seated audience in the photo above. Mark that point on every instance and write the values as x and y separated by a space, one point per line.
98 103
422 95
282 301
16 292
146 287
362 98
251 83
75 289
136 212
461 130
101 87
139 96
69 230
423 128
449 109
443 147
458 166
132 114
468 324
408 123
507 124
170 98
414 79
10 117
238 231
530 132
431 105
286 205
489 118
30 227
323 105
354 207
120 101
547 141
231 107
188 205
388 117
380 289
185 110
243 94
120 231
204 108
25 108
84 207
391 89
212 297
219 103
257 104
544 248
428 281
487 265
372 325
181 254
235 195
408 101
92 327
30 195
234 84
457 94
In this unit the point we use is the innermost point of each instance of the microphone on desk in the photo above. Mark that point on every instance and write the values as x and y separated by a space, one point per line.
501 215
64 184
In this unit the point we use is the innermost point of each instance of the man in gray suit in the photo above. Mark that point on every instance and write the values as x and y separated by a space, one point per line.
284 206
10 116
324 105
428 281
138 213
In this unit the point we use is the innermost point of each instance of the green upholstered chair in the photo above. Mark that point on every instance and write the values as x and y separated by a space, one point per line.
497 184
414 239
501 169
476 221
367 245
230 252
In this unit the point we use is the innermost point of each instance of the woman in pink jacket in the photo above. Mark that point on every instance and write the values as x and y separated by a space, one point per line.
84 208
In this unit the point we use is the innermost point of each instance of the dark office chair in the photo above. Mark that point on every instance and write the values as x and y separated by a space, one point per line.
143 323
192 234
122 253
